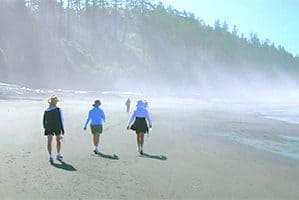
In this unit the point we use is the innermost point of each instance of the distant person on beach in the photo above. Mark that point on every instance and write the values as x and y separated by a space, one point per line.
145 104
128 104
53 124
97 117
142 122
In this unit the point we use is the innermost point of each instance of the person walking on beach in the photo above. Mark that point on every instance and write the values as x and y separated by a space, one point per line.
97 117
146 104
142 122
53 124
128 104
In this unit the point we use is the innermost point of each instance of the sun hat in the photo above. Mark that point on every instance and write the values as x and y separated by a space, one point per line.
96 103
53 100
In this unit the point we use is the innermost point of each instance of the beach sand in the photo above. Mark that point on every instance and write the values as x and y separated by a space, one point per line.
184 161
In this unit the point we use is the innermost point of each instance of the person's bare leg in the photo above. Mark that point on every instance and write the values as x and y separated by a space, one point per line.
138 141
96 141
141 142
58 144
49 146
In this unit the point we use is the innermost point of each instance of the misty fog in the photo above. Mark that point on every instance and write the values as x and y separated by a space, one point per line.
138 47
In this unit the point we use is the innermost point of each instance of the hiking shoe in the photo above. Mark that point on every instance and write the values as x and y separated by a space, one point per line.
51 160
96 151
141 152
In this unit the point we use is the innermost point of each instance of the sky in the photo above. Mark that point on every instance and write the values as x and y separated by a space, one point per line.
277 20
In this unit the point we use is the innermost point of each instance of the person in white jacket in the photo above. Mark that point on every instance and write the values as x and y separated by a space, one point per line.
140 121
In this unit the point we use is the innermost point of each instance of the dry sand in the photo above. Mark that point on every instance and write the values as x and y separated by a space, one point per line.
194 165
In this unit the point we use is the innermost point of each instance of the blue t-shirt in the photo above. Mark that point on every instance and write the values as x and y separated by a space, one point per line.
96 115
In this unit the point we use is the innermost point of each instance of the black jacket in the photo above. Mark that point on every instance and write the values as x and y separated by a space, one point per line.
52 120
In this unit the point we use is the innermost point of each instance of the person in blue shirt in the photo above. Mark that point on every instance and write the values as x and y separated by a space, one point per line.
53 124
97 117
142 122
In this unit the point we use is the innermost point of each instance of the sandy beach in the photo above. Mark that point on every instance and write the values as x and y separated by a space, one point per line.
184 161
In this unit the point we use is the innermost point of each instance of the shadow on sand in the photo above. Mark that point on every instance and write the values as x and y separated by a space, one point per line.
102 155
157 157
63 165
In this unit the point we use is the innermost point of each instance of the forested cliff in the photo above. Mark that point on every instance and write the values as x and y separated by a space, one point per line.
101 44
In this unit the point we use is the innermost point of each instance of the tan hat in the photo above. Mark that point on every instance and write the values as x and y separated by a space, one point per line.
53 100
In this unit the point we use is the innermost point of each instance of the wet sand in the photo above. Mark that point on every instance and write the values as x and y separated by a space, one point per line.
184 161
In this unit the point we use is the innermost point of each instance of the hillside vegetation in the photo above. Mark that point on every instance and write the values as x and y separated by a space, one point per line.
98 44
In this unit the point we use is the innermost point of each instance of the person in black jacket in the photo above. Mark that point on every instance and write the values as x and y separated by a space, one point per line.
53 124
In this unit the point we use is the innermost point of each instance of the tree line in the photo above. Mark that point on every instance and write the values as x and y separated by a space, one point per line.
99 40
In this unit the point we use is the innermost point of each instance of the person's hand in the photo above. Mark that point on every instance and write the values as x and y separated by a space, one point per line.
128 127
62 132
150 126
84 128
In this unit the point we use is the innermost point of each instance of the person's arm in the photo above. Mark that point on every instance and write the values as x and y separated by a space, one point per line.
61 120
103 116
44 120
131 119
87 121
148 117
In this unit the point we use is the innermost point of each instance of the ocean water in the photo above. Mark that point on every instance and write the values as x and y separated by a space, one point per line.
289 114
283 145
